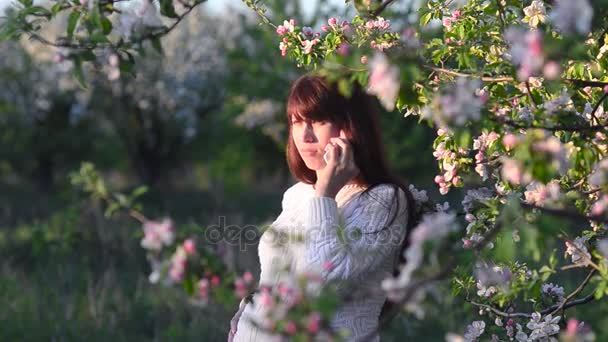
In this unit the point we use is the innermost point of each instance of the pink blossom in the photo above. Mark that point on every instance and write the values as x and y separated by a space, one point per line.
606 89
447 22
343 49
215 281
281 30
382 23
324 28
266 299
240 287
157 234
511 171
247 277
552 70
448 40
283 48
369 25
178 264
526 51
307 31
439 179
384 81
328 265
314 322
348 30
189 246
291 328
203 288
600 206
288 26
571 327
332 21
308 45
509 141
456 14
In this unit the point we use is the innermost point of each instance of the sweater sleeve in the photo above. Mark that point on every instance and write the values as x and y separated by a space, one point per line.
352 246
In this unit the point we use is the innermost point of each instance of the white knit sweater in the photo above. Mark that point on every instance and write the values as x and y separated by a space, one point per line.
361 257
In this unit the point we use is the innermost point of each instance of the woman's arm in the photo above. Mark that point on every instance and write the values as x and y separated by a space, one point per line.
358 243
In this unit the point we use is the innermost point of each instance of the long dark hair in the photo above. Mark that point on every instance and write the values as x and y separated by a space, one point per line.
313 98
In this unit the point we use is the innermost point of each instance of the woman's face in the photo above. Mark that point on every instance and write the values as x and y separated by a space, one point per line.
311 138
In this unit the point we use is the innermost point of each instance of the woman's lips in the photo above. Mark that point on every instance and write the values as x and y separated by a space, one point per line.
308 152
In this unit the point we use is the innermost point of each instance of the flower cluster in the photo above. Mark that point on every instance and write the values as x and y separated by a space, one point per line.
157 234
553 291
289 308
577 249
540 194
434 227
451 159
481 144
526 51
383 80
460 104
541 328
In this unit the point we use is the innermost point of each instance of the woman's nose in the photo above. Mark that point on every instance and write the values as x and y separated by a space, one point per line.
309 134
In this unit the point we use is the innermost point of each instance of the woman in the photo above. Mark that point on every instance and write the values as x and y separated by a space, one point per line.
334 150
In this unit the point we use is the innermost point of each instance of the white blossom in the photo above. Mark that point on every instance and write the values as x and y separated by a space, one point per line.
535 13
434 226
460 104
538 194
541 328
578 251
474 331
476 195
572 16
384 81
137 16
598 177
553 291
526 51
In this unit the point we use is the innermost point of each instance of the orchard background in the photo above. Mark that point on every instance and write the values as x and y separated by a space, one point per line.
131 130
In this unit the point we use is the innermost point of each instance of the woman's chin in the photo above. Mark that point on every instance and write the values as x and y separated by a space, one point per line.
314 164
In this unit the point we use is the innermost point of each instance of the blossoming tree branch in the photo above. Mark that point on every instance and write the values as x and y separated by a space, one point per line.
516 91
97 31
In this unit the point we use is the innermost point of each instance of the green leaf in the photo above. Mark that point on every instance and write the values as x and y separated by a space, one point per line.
107 25
425 18
78 73
72 21
139 191
167 9
36 10
156 44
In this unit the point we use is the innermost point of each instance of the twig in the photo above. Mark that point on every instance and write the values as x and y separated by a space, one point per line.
482 78
381 8
556 128
532 100
572 215
575 292
584 83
